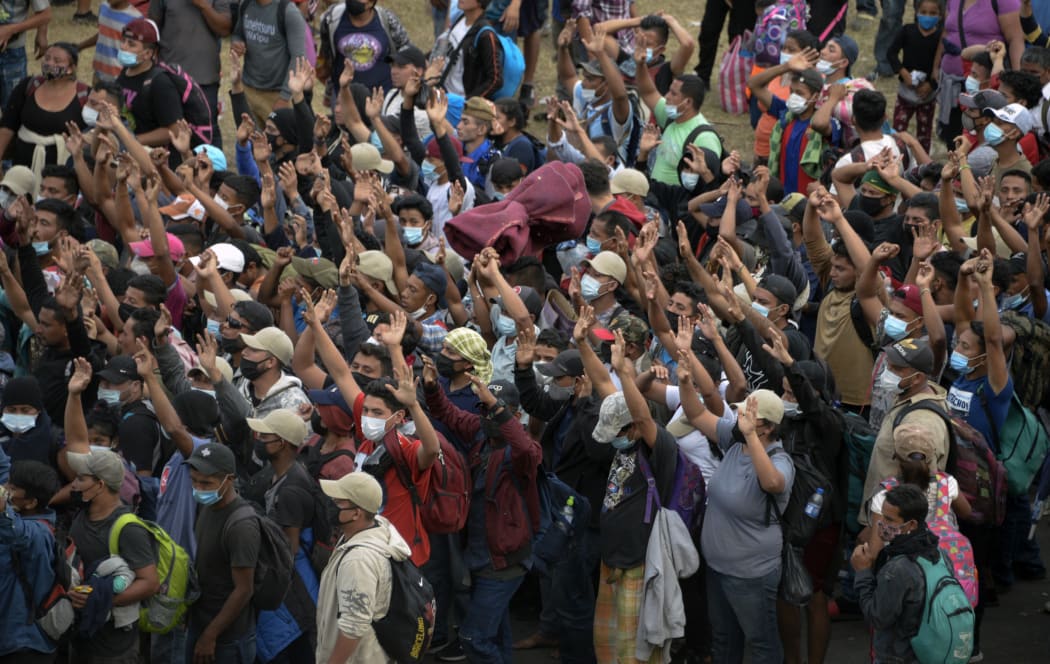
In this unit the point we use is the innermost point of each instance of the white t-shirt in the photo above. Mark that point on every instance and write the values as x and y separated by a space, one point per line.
454 80
438 197
931 500
695 445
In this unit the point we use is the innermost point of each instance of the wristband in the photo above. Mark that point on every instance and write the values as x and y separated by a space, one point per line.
963 167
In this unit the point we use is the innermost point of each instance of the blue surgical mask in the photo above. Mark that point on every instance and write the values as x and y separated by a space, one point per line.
648 55
671 112
690 180
41 248
429 173
972 85
961 206
17 423
960 363
111 397
590 288
373 138
586 95
413 235
127 59
208 497
621 442
1014 301
506 327
785 57
791 408
993 135
927 22
99 448
213 327
761 310
593 246
895 328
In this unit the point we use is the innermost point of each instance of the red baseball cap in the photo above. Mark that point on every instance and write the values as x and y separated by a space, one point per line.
143 30
911 297
434 150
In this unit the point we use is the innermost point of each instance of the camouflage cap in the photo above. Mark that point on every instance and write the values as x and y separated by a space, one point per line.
612 418
634 329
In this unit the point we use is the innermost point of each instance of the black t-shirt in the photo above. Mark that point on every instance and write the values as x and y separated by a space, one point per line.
139 433
216 556
153 99
624 533
23 111
137 547
289 501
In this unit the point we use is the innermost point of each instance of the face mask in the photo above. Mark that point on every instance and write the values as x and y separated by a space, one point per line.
671 112
870 205
1014 301
272 140
895 328
993 135
413 236
53 72
590 288
889 381
972 85
221 202
42 248
261 452
125 310
690 180
560 392
139 266
540 378
419 313
445 366
250 369
504 326
593 246
110 396
960 363
5 198
961 206
888 532
791 409
648 55
16 423
127 59
429 173
587 95
928 22
89 115
796 103
231 346
213 327
76 499
208 497
375 141
356 7
621 442
785 57
407 428
760 310
373 428
825 67
210 393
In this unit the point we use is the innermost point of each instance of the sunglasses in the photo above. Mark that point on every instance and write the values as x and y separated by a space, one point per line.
235 324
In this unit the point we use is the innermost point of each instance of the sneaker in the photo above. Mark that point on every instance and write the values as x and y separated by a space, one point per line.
85 18
453 652
977 657
437 646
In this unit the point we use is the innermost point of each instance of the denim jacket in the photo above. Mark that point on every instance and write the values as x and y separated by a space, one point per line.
32 541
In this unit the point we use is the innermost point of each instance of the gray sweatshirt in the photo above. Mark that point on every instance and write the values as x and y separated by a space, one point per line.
268 54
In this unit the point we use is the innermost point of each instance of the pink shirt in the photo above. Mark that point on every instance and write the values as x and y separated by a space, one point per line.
981 26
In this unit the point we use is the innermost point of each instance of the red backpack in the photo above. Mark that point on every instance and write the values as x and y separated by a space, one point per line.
445 509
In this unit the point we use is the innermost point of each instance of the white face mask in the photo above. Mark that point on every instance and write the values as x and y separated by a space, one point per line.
373 428
824 67
221 202
791 408
587 95
796 103
89 115
418 313
407 428
139 266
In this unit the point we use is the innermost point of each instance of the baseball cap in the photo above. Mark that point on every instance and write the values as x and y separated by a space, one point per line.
256 314
409 55
20 180
608 263
185 205
330 396
433 277
237 294
227 257
770 407
480 108
1002 250
434 150
106 252
630 181
103 464
365 157
592 68
717 209
982 160
781 288
213 459
144 248
1015 114
529 297
221 364
321 271
914 353
983 99
612 418
361 489
284 423
566 363
215 156
377 265
120 370
143 30
634 329
849 48
811 78
1018 263
910 296
906 445
274 341
506 390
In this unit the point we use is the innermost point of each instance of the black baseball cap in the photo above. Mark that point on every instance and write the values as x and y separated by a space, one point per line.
567 363
120 369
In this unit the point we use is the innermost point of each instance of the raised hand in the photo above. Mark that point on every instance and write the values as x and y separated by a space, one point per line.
778 351
245 129
374 104
885 252
180 136
430 373
747 417
405 392
145 363
347 75
455 198
482 390
268 198
300 76
207 352
585 320
924 240
289 179
261 149
81 377
924 277
162 327
1034 214
526 351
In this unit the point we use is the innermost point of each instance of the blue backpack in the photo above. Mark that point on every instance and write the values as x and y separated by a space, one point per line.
513 66
945 633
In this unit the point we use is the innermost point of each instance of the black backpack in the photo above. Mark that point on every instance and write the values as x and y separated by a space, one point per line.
406 629
797 526
273 570
196 110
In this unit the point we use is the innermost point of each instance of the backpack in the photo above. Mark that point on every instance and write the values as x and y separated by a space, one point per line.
981 476
512 64
55 614
945 633
273 570
954 546
772 28
859 439
1022 443
405 631
314 460
628 150
195 107
554 535
1030 364
178 577
798 527
445 508
688 497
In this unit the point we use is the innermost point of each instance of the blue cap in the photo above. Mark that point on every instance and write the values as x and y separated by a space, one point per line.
218 159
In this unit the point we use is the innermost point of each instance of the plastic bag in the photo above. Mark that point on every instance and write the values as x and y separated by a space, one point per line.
795 585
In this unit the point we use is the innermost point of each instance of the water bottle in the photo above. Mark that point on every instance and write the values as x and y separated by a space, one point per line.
120 584
567 514
816 501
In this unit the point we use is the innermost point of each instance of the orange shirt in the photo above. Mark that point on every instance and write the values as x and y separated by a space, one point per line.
766 122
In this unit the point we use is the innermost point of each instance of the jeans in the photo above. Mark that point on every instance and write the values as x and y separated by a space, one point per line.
889 26
485 632
572 596
440 17
742 609
168 648
12 70
211 92
445 572
240 651
1016 551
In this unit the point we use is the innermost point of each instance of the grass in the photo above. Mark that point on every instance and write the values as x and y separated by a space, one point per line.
415 14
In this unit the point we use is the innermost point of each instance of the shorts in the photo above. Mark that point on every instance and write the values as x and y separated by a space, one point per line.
531 16
822 556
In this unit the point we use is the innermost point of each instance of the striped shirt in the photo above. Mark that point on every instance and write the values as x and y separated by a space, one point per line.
111 24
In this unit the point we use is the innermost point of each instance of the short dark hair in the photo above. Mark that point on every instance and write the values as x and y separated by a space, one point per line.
1001 274
386 366
38 480
869 109
413 201
909 501
513 108
838 248
607 145
118 279
693 88
112 89
1025 86
377 389
51 304
947 264
528 271
1041 173
1017 173
690 290
553 338
152 287
657 24
926 202
64 173
65 216
143 320
245 187
595 177
1037 55
104 418
805 39
614 220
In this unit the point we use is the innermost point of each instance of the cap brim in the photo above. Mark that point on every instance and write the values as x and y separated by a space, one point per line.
385 166
251 342
78 463
202 465
550 369
113 377
259 426
332 489
711 210
604 434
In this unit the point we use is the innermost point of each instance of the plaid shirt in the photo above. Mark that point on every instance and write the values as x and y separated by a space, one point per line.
434 332
604 10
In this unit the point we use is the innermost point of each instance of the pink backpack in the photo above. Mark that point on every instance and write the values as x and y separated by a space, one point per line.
952 543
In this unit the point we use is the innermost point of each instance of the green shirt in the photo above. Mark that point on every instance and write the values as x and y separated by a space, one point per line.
671 149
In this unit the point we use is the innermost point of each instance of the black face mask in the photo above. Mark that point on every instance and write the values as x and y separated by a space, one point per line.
361 379
125 310
231 346
250 369
356 7
869 205
672 320
446 366
260 451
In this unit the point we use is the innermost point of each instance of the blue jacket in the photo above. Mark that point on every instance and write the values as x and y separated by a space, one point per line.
32 541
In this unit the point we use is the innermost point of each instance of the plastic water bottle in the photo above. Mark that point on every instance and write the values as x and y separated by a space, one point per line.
816 501
120 584
567 514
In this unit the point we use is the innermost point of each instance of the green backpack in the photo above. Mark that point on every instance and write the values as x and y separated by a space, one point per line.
946 628
1022 442
178 578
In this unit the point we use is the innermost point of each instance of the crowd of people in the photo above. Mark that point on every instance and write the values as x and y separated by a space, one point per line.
334 386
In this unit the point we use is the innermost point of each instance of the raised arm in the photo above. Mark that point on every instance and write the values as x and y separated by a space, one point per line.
146 365
1033 218
995 356
636 404
592 365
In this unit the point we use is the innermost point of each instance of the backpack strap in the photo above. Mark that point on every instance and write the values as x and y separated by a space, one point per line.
652 495
118 527
404 475
242 513
861 327
34 84
453 57
772 509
